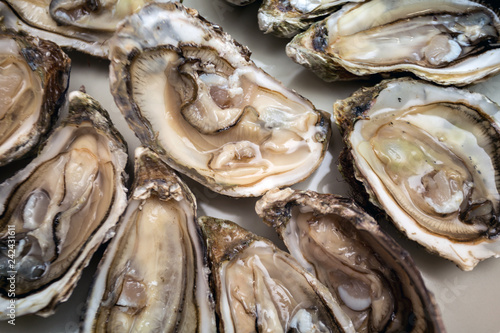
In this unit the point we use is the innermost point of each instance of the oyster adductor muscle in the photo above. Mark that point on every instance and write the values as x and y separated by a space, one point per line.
34 77
260 288
373 278
429 157
450 42
191 93
152 276
56 211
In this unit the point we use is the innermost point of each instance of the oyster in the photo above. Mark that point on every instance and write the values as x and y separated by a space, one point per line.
56 211
286 18
34 76
374 279
82 25
429 157
152 276
192 94
261 288
444 41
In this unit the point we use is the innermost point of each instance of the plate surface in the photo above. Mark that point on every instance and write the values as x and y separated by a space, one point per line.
469 301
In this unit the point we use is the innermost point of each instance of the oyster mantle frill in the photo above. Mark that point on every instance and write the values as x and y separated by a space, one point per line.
429 157
260 288
152 276
374 280
192 94
34 76
58 210
450 42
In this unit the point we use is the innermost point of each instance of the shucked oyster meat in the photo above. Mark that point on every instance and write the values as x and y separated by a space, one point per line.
152 277
84 25
374 280
190 92
260 288
429 157
56 211
34 76
444 41
286 18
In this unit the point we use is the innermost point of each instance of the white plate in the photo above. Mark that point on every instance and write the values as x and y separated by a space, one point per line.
469 301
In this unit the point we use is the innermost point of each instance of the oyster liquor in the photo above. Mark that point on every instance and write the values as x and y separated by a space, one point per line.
11 274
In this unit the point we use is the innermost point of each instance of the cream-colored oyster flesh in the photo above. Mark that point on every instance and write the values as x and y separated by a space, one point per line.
82 25
152 277
373 278
261 288
190 92
58 209
284 18
428 156
34 76
444 41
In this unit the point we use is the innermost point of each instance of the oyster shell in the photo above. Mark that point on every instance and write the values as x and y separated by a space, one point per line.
261 288
373 278
190 92
152 276
82 25
56 211
286 18
444 41
34 76
428 156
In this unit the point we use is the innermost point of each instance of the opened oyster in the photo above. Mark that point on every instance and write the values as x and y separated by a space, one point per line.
34 76
429 157
56 211
444 41
372 277
286 18
152 276
192 94
82 25
260 288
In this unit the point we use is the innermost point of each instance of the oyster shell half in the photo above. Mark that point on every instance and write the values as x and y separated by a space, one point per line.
34 76
373 278
56 211
428 156
444 41
261 288
191 92
286 18
82 24
152 276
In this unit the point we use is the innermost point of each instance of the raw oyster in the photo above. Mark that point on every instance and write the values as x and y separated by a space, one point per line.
428 156
152 276
260 288
286 18
190 92
82 25
374 279
444 41
34 76
56 211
